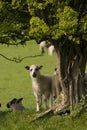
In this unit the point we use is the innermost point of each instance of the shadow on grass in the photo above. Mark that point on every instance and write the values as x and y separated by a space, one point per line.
3 114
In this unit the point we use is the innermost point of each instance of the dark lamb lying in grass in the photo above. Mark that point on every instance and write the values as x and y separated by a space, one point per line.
16 104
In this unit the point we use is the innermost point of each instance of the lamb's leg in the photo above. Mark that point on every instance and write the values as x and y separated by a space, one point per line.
42 50
38 101
45 102
50 101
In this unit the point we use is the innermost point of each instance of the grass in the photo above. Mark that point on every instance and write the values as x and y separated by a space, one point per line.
15 82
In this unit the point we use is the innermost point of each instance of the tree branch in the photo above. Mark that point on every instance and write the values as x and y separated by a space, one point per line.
18 60
58 109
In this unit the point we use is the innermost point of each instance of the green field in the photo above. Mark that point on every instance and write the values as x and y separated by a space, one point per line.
15 82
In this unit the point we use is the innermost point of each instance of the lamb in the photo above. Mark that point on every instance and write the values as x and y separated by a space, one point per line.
47 44
42 86
56 86
42 46
51 50
16 104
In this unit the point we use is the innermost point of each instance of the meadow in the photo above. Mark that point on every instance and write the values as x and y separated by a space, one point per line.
15 82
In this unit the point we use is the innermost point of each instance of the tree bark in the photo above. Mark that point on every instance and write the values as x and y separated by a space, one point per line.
71 63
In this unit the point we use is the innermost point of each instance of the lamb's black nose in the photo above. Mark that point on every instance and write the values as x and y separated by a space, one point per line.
0 104
34 75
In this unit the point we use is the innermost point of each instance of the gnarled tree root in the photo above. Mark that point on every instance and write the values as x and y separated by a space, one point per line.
58 109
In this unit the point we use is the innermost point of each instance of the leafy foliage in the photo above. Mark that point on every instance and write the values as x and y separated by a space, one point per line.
38 28
13 24
66 25
84 27
25 19
61 18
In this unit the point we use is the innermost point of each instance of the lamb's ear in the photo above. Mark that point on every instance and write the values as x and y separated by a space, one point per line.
27 67
19 100
39 67
13 100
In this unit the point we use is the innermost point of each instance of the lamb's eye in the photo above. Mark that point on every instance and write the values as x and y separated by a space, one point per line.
36 69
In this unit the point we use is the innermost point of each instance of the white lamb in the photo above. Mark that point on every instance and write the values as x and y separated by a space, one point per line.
42 86
46 44
51 50
42 46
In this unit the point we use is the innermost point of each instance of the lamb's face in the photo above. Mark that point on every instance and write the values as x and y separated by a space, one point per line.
34 70
15 103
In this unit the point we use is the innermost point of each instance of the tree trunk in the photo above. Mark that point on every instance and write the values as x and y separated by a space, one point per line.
71 63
